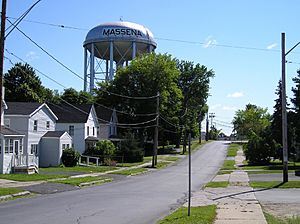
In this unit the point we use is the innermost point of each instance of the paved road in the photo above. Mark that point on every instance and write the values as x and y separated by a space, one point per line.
135 200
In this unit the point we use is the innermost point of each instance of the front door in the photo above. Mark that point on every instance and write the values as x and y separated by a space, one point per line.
16 146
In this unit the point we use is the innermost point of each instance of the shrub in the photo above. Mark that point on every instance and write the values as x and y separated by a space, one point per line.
105 148
131 150
70 157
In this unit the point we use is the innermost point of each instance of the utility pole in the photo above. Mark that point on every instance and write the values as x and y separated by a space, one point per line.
2 39
283 106
155 143
207 124
200 136
212 116
190 176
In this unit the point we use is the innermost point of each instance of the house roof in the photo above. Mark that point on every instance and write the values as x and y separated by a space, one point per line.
7 131
26 108
21 108
104 114
54 134
71 113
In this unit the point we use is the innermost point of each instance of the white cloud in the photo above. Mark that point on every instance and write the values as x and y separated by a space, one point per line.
31 55
209 42
271 46
229 108
235 95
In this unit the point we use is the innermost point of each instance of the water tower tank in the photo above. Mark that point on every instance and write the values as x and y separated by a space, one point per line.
111 45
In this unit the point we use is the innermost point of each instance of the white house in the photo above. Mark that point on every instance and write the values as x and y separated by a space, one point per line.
107 122
33 120
11 147
80 121
52 144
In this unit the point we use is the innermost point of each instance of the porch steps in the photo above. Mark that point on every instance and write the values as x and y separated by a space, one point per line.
26 169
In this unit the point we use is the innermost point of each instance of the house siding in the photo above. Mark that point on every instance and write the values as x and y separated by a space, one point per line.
79 134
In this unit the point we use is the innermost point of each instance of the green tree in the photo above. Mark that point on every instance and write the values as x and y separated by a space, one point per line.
74 97
145 76
194 83
105 148
23 85
253 119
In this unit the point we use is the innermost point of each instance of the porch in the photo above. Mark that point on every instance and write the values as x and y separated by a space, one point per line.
25 164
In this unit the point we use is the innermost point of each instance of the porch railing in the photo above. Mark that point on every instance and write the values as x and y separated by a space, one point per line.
26 160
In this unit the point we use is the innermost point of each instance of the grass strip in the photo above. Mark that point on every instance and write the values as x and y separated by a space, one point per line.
83 169
199 215
275 184
220 184
31 177
79 180
8 191
228 165
274 220
232 150
129 172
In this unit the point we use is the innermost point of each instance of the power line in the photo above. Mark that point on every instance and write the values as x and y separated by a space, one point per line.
47 76
20 18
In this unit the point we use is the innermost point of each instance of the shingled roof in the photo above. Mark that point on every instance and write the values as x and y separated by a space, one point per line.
71 113
53 134
21 108
9 132
104 114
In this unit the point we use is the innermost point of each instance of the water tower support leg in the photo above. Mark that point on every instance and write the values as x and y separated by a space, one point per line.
85 71
92 69
111 60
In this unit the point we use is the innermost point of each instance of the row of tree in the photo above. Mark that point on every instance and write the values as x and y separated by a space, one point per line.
264 131
182 87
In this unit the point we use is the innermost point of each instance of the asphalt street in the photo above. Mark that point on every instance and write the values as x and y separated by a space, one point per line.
135 200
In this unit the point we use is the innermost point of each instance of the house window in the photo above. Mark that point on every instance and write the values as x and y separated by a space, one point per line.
98 131
21 146
48 125
71 130
93 131
88 130
7 122
11 146
34 149
35 125
6 146
65 146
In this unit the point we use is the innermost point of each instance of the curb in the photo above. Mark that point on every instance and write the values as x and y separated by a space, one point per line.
23 193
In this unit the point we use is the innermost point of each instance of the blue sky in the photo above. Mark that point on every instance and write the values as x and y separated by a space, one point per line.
242 75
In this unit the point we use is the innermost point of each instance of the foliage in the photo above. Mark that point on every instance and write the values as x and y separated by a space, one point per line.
193 81
130 149
23 85
253 119
105 148
232 150
74 97
213 133
199 215
70 157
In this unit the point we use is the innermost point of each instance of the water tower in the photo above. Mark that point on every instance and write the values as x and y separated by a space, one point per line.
112 45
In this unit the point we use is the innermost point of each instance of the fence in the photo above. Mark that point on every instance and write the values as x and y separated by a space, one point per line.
100 160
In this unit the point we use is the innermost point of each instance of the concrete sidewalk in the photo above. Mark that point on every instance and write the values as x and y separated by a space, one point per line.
235 204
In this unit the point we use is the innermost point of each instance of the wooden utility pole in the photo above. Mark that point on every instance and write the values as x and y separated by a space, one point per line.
2 39
200 136
190 176
155 142
207 124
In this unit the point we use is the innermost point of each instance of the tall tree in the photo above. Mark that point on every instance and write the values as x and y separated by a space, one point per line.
23 85
194 84
253 119
74 97
144 77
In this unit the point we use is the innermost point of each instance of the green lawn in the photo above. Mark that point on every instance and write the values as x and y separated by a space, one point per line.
273 167
31 177
80 180
232 150
275 184
83 169
274 220
228 165
130 171
199 215
217 184
8 191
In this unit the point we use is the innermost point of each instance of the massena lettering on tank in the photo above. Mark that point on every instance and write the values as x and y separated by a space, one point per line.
121 32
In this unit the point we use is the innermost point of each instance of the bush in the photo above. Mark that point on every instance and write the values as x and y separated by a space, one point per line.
105 148
131 150
70 157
